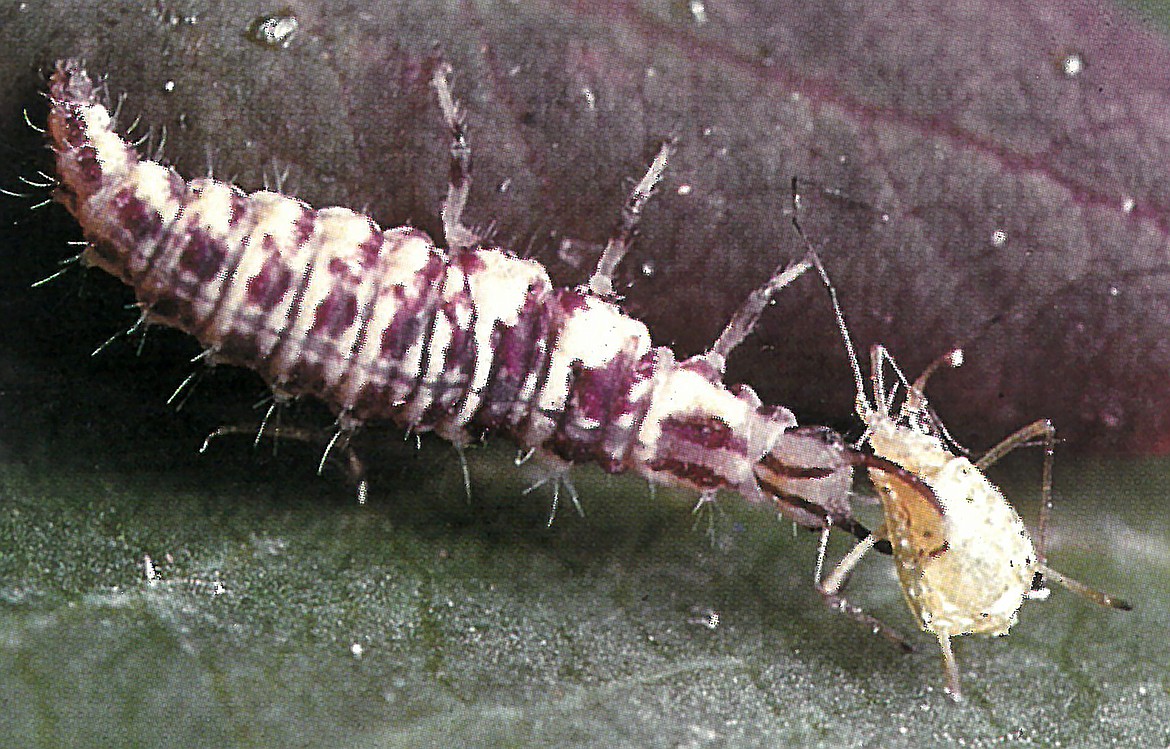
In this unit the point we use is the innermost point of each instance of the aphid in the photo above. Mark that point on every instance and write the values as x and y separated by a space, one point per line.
386 326
963 556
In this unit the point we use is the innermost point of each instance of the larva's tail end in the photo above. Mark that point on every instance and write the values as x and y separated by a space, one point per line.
70 91
71 84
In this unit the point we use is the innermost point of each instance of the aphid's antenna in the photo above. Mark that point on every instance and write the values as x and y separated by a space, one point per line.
864 408
863 405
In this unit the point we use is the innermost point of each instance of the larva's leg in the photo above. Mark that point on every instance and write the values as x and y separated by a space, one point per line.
339 442
601 283
745 318
459 185
1041 430
830 588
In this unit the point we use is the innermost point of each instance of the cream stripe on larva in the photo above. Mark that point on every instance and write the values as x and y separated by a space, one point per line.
384 325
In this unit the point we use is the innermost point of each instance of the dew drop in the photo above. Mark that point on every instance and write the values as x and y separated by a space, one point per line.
698 11
647 269
273 31
1127 205
998 238
1114 291
685 189
169 86
1072 65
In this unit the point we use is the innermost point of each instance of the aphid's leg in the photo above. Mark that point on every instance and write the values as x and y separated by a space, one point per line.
601 282
1042 430
1096 596
953 688
830 588
459 185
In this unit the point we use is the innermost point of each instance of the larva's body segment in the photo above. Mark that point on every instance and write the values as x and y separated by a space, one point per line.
384 325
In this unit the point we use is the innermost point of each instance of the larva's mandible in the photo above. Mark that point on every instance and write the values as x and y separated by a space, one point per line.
386 326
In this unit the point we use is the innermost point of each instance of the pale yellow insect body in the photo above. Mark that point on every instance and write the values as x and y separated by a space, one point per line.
964 559
969 570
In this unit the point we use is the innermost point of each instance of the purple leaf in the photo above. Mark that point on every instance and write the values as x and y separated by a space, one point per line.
989 174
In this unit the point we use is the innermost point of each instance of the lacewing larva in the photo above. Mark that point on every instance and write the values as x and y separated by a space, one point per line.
386 326
964 559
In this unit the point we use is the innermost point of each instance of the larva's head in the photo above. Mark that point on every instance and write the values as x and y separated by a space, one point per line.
809 474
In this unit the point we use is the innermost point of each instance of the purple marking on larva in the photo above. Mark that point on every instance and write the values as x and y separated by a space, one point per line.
571 300
334 315
73 131
370 251
304 227
693 473
385 325
516 356
203 256
709 433
141 222
272 283
88 165
399 336
238 208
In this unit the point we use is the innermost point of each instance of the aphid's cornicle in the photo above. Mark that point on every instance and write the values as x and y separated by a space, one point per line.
384 325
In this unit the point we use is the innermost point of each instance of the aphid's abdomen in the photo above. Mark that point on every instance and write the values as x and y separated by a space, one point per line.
981 582
968 569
